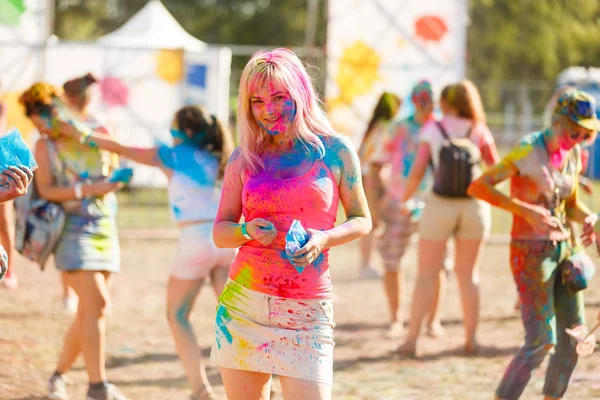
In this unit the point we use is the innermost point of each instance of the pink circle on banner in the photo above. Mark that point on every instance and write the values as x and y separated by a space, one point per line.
114 92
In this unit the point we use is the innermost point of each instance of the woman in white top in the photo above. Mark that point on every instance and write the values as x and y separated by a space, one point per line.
465 218
194 167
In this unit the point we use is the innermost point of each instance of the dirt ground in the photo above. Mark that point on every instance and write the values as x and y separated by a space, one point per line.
141 358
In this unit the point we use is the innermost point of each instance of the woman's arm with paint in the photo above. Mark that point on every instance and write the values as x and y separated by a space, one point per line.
44 183
417 171
227 232
354 201
484 188
147 156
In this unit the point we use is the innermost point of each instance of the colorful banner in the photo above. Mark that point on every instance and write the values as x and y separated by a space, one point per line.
388 45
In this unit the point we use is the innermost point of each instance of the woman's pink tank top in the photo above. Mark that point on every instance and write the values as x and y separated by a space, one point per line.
311 198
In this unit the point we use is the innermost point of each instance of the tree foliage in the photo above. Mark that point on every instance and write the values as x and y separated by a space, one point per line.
531 39
253 22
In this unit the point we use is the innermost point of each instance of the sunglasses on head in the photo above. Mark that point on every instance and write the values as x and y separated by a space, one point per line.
577 135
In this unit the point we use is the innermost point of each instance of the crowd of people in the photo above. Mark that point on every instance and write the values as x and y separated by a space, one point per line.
236 210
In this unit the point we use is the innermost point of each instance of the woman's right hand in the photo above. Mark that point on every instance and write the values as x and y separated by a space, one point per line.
261 230
540 218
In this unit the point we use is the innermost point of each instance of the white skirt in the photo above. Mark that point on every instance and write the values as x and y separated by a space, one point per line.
197 254
274 335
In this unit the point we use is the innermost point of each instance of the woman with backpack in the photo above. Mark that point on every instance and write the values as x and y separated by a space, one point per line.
77 177
287 178
544 173
194 167
455 147
396 150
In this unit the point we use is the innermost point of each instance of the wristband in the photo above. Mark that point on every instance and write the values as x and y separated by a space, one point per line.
245 232
78 188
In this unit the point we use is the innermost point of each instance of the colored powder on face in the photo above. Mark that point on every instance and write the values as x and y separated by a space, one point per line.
286 113
222 319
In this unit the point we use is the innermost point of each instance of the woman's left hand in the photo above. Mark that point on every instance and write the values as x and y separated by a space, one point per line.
307 254
588 236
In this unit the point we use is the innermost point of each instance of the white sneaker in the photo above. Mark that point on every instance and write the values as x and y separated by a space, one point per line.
395 330
369 272
57 387
10 282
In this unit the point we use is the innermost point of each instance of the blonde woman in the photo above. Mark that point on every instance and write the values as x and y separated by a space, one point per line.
275 315
466 219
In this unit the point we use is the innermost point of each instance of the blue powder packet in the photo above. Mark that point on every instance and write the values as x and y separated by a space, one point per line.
295 239
15 152
121 175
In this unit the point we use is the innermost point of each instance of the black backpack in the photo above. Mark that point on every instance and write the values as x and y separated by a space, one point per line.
459 165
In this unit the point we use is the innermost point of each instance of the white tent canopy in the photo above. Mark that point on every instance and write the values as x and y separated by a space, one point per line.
155 28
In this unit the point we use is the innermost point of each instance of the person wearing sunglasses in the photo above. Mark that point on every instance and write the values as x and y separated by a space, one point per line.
544 191
194 166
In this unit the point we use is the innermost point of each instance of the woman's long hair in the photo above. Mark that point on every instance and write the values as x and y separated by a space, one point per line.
208 133
281 67
464 98
384 110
